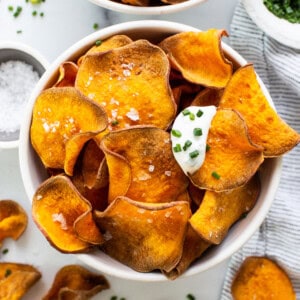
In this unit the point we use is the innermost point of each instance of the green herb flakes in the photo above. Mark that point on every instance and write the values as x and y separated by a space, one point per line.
96 26
7 273
186 112
190 297
197 131
177 148
199 113
5 251
98 43
194 154
215 175
187 144
176 133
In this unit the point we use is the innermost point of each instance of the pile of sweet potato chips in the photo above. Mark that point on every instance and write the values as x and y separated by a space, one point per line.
103 133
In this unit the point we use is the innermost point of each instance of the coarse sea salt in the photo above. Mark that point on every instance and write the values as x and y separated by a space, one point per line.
17 80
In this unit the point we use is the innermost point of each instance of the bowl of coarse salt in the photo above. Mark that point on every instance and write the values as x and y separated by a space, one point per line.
20 69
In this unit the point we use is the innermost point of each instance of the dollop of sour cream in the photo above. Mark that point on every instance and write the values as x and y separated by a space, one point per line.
189 136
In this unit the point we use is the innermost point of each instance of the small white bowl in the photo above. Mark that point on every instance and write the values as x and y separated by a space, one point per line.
33 173
281 30
17 51
147 10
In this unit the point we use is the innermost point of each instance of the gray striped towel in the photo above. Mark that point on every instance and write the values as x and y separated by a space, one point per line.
279 68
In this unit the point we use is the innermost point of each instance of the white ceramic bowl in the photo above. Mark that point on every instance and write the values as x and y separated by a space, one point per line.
147 10
279 29
33 172
17 51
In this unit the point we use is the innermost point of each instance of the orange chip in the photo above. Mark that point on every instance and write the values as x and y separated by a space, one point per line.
16 279
13 220
232 159
56 207
193 248
208 97
266 128
144 236
142 166
204 62
76 282
67 74
218 211
137 2
122 81
115 41
263 279
60 128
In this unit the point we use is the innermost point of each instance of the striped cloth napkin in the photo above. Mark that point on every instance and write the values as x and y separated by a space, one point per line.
279 68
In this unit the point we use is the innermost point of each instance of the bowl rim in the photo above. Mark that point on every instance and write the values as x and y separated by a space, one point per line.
24 153
147 10
13 45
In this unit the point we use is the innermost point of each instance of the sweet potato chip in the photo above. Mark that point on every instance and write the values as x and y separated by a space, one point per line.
16 279
137 2
208 97
266 128
67 74
56 206
122 81
75 282
13 220
108 44
231 159
60 127
199 57
151 173
262 279
218 211
144 236
193 248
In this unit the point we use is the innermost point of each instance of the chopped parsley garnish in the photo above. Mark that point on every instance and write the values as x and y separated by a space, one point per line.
98 43
197 131
190 297
285 9
215 175
187 144
194 154
199 113
177 148
186 112
176 133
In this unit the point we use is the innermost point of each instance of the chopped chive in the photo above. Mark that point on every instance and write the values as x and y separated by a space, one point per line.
35 1
244 215
96 26
98 42
113 298
18 11
192 117
177 148
114 122
176 133
34 13
199 113
190 297
19 31
42 14
194 154
207 148
215 175
186 112
187 144
7 272
10 8
197 131
122 298
5 251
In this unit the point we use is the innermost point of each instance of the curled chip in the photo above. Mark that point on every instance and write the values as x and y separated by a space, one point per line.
150 173
13 220
218 211
122 81
266 128
263 279
231 159
194 246
67 74
108 44
144 236
56 208
76 282
208 97
199 57
60 127
16 279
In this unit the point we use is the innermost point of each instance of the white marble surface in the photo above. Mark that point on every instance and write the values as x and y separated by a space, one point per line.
64 23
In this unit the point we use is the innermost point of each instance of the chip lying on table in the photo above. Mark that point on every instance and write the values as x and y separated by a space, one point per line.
122 180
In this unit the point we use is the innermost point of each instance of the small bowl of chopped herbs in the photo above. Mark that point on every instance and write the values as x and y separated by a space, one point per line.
280 19
20 69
